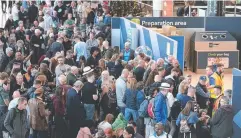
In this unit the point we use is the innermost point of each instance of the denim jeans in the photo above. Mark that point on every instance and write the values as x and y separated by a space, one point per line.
90 111
122 110
129 112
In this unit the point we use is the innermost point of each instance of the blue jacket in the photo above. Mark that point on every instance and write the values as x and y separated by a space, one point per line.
183 98
160 108
107 20
192 118
140 97
130 99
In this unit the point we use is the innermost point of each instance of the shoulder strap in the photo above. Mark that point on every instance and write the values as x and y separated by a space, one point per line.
189 116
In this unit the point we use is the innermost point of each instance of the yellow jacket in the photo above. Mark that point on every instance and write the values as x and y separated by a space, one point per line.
218 81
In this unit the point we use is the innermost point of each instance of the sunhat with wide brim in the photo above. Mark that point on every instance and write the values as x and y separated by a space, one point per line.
87 70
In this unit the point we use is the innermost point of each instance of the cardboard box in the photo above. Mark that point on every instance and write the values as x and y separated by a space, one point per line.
169 30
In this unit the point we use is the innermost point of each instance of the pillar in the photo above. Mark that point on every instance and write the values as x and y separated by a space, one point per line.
215 8
157 8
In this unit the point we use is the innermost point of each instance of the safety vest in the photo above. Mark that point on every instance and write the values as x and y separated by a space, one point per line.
218 81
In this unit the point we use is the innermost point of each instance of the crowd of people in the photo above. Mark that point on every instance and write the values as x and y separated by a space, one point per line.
61 78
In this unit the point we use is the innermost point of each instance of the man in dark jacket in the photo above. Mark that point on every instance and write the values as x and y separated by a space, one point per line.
20 34
6 59
23 15
75 109
202 93
16 120
71 77
222 121
32 12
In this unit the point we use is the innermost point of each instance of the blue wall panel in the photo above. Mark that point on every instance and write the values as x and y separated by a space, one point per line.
236 103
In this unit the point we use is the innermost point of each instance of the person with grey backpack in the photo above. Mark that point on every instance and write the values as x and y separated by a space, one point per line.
186 121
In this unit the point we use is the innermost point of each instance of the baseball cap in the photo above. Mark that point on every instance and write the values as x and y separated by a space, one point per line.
203 78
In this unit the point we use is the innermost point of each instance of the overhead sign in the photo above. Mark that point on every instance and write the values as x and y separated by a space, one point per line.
179 22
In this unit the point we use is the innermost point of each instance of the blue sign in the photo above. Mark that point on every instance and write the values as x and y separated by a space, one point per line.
179 22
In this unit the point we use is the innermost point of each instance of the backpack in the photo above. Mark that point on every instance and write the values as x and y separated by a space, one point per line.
184 127
143 108
150 108
176 109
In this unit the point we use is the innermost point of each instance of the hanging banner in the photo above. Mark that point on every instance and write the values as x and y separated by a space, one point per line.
179 22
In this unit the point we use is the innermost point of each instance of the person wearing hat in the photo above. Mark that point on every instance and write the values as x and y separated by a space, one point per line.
160 104
6 58
38 114
202 93
89 93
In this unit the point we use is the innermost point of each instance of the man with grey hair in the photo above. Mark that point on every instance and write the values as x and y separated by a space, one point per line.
71 77
6 58
36 44
128 53
75 109
108 50
222 118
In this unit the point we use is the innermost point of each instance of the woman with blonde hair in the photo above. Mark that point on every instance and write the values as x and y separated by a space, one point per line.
183 86
108 101
130 100
191 118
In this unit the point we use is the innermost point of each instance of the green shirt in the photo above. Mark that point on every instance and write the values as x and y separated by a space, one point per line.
3 96
69 22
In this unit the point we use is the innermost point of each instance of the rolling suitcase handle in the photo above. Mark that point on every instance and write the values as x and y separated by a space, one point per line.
189 134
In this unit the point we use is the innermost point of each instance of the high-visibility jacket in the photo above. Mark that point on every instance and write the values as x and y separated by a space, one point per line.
216 104
218 81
